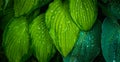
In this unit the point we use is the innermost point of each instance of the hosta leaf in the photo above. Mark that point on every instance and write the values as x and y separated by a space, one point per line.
84 13
111 40
22 7
114 8
42 44
16 40
61 28
111 8
87 46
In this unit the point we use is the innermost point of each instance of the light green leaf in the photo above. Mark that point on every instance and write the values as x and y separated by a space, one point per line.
16 40
42 43
84 13
61 28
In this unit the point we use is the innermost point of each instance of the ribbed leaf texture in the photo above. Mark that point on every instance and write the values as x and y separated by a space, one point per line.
23 7
87 46
42 43
16 40
61 28
84 13
111 40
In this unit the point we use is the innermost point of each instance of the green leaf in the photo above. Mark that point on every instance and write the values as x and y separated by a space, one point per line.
111 40
16 40
111 8
87 46
84 13
42 43
24 7
61 28
114 8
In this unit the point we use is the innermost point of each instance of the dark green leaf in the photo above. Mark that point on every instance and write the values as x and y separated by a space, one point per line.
111 40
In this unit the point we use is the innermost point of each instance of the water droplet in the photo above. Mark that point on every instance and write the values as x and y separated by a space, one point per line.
39 37
77 43
42 28
43 42
72 54
114 61
55 12
87 9
60 26
81 33
42 32
74 39
89 38
53 17
92 45
77 0
64 30
80 6
38 27
42 36
51 10
68 22
87 46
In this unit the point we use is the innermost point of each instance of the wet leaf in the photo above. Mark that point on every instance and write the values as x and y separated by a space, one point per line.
61 28
84 13
16 40
42 43
111 40
87 46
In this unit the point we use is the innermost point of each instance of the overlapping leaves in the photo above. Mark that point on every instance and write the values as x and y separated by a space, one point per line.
87 46
61 28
